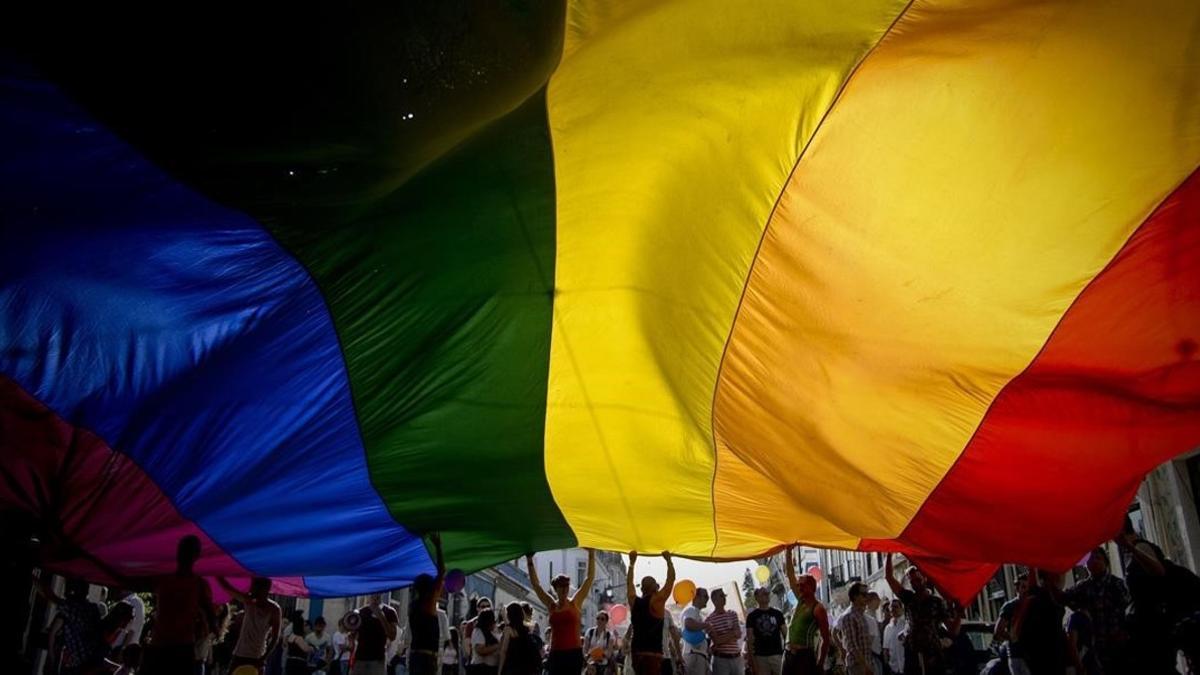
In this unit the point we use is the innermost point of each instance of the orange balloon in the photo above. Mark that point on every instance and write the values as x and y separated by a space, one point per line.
597 653
684 591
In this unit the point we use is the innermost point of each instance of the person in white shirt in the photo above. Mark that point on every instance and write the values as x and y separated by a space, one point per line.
485 646
672 654
893 638
873 632
695 642
132 634
600 646
451 660
343 647
443 631
322 645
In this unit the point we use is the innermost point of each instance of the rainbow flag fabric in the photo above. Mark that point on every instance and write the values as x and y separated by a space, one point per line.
688 275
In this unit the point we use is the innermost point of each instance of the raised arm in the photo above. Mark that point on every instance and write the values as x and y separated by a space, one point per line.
439 582
581 595
889 571
1141 554
790 567
537 584
233 592
630 588
665 592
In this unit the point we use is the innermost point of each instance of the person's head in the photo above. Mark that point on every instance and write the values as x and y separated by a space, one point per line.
528 609
718 598
649 586
700 600
319 625
808 586
297 623
1097 562
76 589
486 620
601 620
917 579
187 553
484 603
117 619
858 595
763 597
872 601
897 608
422 587
260 587
1022 583
1050 579
131 655
119 594
562 586
514 616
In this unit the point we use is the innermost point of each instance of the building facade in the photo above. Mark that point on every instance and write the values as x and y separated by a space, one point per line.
1165 511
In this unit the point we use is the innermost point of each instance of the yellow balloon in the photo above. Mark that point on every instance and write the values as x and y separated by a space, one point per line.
684 591
763 574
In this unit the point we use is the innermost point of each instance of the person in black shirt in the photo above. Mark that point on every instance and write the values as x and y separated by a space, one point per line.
926 615
765 627
377 626
423 623
1038 637
647 623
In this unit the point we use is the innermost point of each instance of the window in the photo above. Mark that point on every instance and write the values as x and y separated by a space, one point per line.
580 572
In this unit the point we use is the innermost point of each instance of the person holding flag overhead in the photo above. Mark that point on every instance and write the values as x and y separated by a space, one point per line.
648 611
809 621
566 616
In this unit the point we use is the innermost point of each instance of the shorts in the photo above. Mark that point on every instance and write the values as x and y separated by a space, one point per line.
695 663
769 665
169 659
647 664
422 664
728 665
565 661
369 668
800 662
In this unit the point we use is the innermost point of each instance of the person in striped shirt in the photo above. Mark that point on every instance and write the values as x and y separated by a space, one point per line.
724 628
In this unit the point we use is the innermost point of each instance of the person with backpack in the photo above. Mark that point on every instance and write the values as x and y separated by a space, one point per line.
520 653
600 646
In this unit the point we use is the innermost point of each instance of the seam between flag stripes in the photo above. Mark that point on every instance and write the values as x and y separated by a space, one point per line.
758 249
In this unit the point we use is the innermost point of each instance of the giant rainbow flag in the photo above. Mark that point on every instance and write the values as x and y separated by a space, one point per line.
690 275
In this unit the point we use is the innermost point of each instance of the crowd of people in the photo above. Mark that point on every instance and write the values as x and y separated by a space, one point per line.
1104 625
